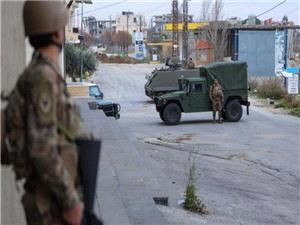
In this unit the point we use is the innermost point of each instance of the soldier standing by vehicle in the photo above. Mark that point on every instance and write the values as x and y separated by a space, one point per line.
41 124
191 64
217 97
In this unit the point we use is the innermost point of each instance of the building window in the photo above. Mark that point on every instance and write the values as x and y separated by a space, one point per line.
134 19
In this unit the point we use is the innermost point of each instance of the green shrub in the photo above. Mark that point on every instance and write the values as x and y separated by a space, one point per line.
291 103
271 88
73 60
253 83
295 111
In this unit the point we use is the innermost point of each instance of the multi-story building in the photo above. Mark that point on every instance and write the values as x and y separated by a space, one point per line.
97 27
158 22
71 36
131 23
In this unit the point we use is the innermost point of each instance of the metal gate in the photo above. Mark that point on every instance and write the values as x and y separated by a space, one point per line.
257 48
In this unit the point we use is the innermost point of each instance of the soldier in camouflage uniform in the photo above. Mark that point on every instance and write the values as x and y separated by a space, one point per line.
217 97
42 124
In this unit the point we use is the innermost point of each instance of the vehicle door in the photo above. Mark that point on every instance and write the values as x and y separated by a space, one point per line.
197 97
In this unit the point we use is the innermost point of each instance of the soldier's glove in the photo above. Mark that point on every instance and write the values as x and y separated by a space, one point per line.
74 215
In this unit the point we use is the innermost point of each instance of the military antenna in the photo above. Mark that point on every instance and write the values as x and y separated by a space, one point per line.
185 31
175 33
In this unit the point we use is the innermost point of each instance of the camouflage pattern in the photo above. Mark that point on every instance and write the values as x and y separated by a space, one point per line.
217 97
50 126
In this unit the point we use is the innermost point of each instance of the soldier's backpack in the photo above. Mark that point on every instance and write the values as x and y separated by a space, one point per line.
13 137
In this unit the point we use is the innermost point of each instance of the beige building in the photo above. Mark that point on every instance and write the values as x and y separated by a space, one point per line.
130 22
70 36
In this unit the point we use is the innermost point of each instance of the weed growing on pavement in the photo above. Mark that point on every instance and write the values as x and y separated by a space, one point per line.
191 201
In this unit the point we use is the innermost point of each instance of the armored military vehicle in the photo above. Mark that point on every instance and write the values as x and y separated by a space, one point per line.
164 80
193 95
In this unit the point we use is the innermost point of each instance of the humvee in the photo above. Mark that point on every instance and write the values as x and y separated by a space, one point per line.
193 95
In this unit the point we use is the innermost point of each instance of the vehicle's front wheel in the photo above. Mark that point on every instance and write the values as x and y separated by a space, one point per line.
171 114
161 116
234 111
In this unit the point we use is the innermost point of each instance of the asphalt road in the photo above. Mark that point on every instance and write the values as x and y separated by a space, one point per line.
247 172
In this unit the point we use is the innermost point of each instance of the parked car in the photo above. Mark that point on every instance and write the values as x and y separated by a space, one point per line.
83 90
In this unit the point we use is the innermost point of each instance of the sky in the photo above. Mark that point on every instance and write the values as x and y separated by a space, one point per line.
239 8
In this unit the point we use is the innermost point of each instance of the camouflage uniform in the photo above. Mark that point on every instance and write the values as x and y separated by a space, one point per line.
50 125
217 97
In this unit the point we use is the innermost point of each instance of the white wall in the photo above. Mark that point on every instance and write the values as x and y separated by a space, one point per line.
12 43
14 55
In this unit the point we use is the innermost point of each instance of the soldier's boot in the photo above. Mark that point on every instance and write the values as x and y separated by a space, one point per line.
214 117
220 117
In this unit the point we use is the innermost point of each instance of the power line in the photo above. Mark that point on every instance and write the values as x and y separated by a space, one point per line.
104 7
286 13
271 8
156 7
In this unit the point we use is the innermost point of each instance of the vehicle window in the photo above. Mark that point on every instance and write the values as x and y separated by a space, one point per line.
94 91
197 88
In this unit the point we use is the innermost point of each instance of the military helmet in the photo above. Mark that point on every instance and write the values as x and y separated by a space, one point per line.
44 17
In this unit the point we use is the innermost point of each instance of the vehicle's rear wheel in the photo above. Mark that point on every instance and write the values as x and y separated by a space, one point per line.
171 114
234 111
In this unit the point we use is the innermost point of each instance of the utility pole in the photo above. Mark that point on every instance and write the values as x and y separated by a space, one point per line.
110 24
140 23
127 25
81 43
127 21
175 32
185 31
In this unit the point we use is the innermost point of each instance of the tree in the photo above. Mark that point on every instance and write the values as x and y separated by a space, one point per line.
205 6
122 39
217 30
73 60
106 39
217 10
88 39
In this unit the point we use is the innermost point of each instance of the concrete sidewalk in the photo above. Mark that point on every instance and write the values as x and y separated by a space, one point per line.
126 183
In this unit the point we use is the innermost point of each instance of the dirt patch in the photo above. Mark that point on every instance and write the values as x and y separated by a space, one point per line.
102 57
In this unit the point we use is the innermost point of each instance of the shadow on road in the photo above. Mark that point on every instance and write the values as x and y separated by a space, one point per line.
184 122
